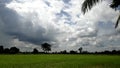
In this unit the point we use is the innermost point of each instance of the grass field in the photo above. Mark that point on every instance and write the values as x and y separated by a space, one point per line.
59 61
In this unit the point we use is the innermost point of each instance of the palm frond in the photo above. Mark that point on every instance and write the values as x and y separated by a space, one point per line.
116 25
115 4
88 4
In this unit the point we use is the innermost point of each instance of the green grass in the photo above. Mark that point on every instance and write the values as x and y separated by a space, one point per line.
59 61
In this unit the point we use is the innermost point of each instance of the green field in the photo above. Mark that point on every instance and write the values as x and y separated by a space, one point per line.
59 61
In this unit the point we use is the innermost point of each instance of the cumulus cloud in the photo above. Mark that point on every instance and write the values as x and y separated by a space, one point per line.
28 23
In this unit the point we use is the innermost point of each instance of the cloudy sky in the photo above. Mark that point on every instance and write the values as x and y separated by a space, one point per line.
28 23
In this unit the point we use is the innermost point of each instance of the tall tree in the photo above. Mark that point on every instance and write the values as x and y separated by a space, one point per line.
46 47
88 4
14 50
1 49
6 50
80 49
35 51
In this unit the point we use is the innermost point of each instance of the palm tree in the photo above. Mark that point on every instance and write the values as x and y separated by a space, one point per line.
88 4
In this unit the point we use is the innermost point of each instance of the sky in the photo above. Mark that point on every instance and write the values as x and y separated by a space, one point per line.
27 24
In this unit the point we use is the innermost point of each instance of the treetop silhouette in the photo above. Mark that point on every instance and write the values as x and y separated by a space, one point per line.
46 47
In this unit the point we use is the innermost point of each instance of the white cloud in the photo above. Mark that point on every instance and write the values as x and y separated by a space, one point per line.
59 23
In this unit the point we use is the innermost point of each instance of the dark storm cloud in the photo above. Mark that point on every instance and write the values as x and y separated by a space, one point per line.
16 26
5 1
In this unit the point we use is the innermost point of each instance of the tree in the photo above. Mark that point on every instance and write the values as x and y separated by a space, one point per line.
1 49
46 47
80 49
63 52
73 52
14 50
6 50
35 51
88 4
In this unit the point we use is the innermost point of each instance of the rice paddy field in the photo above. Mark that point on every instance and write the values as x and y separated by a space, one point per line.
59 61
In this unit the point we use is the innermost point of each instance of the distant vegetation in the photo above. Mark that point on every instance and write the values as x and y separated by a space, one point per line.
12 50
47 48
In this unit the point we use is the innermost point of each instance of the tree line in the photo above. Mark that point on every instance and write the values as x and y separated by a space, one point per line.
47 48
14 50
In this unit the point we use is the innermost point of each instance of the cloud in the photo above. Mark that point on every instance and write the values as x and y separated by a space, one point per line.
27 24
